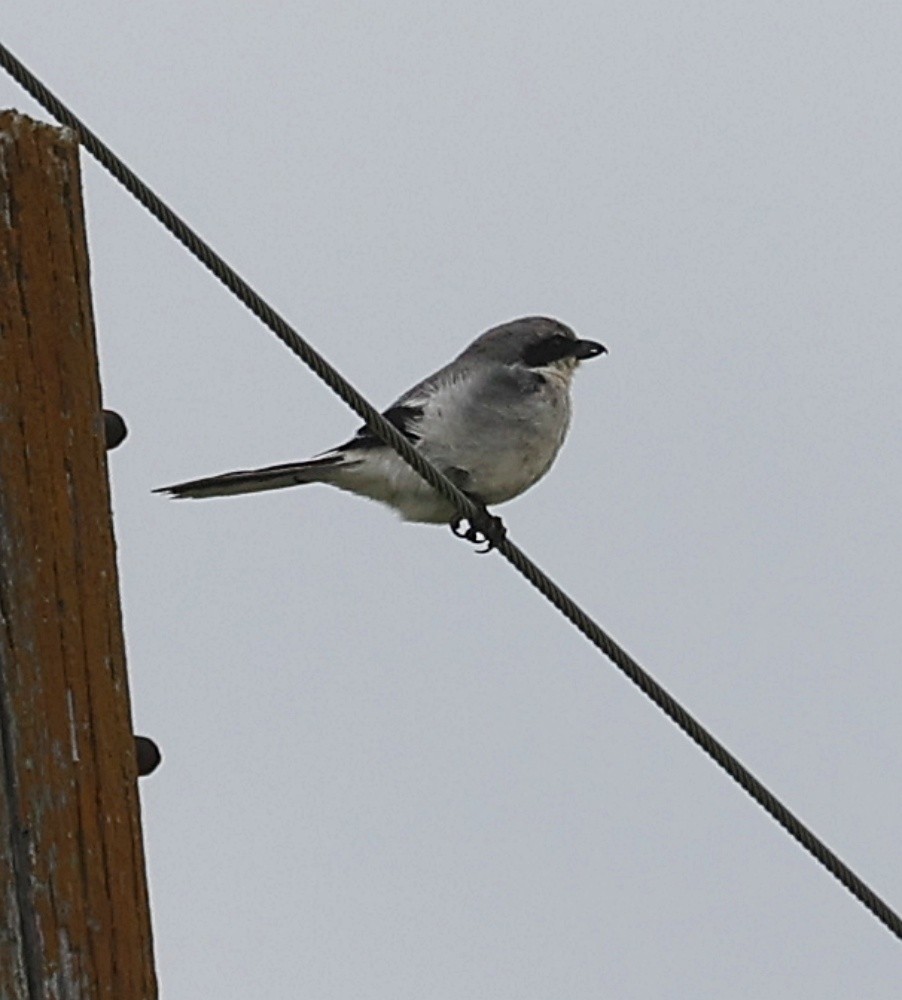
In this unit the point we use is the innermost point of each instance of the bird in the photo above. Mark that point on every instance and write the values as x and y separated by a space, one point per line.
492 420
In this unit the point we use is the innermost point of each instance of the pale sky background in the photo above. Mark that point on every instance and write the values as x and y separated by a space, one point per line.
391 770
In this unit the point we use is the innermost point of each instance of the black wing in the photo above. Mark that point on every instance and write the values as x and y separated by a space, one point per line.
404 417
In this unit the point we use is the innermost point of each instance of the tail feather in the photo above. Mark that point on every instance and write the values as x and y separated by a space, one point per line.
273 477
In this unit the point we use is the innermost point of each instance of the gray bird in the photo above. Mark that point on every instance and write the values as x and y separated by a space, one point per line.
493 421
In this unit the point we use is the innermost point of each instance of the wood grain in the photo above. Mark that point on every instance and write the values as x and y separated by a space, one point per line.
74 917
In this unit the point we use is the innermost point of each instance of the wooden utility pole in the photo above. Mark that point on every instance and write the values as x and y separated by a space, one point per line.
74 917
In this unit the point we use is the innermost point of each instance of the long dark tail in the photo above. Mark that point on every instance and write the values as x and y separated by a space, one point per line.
273 477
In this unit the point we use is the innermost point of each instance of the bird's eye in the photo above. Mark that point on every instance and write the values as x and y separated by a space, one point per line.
547 350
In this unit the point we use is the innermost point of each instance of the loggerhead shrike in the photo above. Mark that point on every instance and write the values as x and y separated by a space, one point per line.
493 421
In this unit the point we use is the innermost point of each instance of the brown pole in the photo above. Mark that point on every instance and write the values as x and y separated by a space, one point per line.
74 916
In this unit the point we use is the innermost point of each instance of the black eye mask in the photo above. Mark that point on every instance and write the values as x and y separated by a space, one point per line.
548 350
557 347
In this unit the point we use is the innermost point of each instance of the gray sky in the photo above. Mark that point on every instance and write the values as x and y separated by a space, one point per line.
391 770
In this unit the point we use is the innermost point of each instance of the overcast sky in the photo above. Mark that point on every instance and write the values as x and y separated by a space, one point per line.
391 770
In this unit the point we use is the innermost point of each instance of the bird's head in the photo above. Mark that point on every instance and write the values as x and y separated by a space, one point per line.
535 342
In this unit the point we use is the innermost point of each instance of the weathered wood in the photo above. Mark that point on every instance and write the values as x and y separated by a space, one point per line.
74 917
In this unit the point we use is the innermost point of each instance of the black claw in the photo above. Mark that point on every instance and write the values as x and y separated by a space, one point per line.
489 533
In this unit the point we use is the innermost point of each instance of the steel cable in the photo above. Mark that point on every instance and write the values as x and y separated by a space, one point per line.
473 512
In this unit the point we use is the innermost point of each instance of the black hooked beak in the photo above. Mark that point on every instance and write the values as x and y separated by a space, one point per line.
585 349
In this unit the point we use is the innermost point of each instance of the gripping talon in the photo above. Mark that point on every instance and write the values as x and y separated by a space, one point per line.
489 535
458 529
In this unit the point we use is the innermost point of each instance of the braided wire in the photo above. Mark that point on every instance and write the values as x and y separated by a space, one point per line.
475 513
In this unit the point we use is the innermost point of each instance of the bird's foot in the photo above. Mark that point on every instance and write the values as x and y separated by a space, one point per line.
488 531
